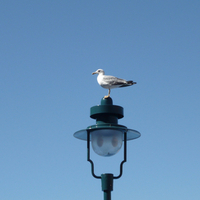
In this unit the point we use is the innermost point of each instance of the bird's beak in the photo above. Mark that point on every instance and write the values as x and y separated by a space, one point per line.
94 73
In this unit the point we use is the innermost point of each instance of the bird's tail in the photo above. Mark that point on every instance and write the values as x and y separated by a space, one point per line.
131 83
128 83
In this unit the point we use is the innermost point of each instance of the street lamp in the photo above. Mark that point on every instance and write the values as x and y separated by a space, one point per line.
106 138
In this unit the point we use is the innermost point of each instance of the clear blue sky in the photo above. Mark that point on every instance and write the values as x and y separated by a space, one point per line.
48 50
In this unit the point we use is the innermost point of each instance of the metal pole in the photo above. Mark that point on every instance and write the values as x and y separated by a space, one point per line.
107 185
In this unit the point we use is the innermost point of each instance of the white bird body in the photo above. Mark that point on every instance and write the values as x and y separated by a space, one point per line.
111 82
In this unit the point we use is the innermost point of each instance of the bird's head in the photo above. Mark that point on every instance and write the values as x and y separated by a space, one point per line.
99 71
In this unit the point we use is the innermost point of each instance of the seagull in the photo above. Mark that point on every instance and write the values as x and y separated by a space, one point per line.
111 82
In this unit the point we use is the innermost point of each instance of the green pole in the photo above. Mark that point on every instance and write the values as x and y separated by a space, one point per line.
107 185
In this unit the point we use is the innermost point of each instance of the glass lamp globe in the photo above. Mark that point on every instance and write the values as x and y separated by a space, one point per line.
106 142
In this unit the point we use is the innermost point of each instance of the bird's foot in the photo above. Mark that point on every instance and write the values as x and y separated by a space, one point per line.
107 96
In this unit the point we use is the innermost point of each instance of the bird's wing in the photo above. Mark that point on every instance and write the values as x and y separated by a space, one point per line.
113 80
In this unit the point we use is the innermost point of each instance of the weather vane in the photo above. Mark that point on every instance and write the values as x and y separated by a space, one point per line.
111 82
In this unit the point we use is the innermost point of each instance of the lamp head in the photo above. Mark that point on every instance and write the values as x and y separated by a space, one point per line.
106 135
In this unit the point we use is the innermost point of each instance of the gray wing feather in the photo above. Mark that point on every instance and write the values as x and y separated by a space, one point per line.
114 81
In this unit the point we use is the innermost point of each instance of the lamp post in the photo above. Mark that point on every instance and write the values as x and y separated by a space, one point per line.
106 138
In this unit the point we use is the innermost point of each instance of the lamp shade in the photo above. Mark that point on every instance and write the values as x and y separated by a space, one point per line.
131 134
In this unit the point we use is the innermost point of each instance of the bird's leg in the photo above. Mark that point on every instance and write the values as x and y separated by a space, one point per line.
105 97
